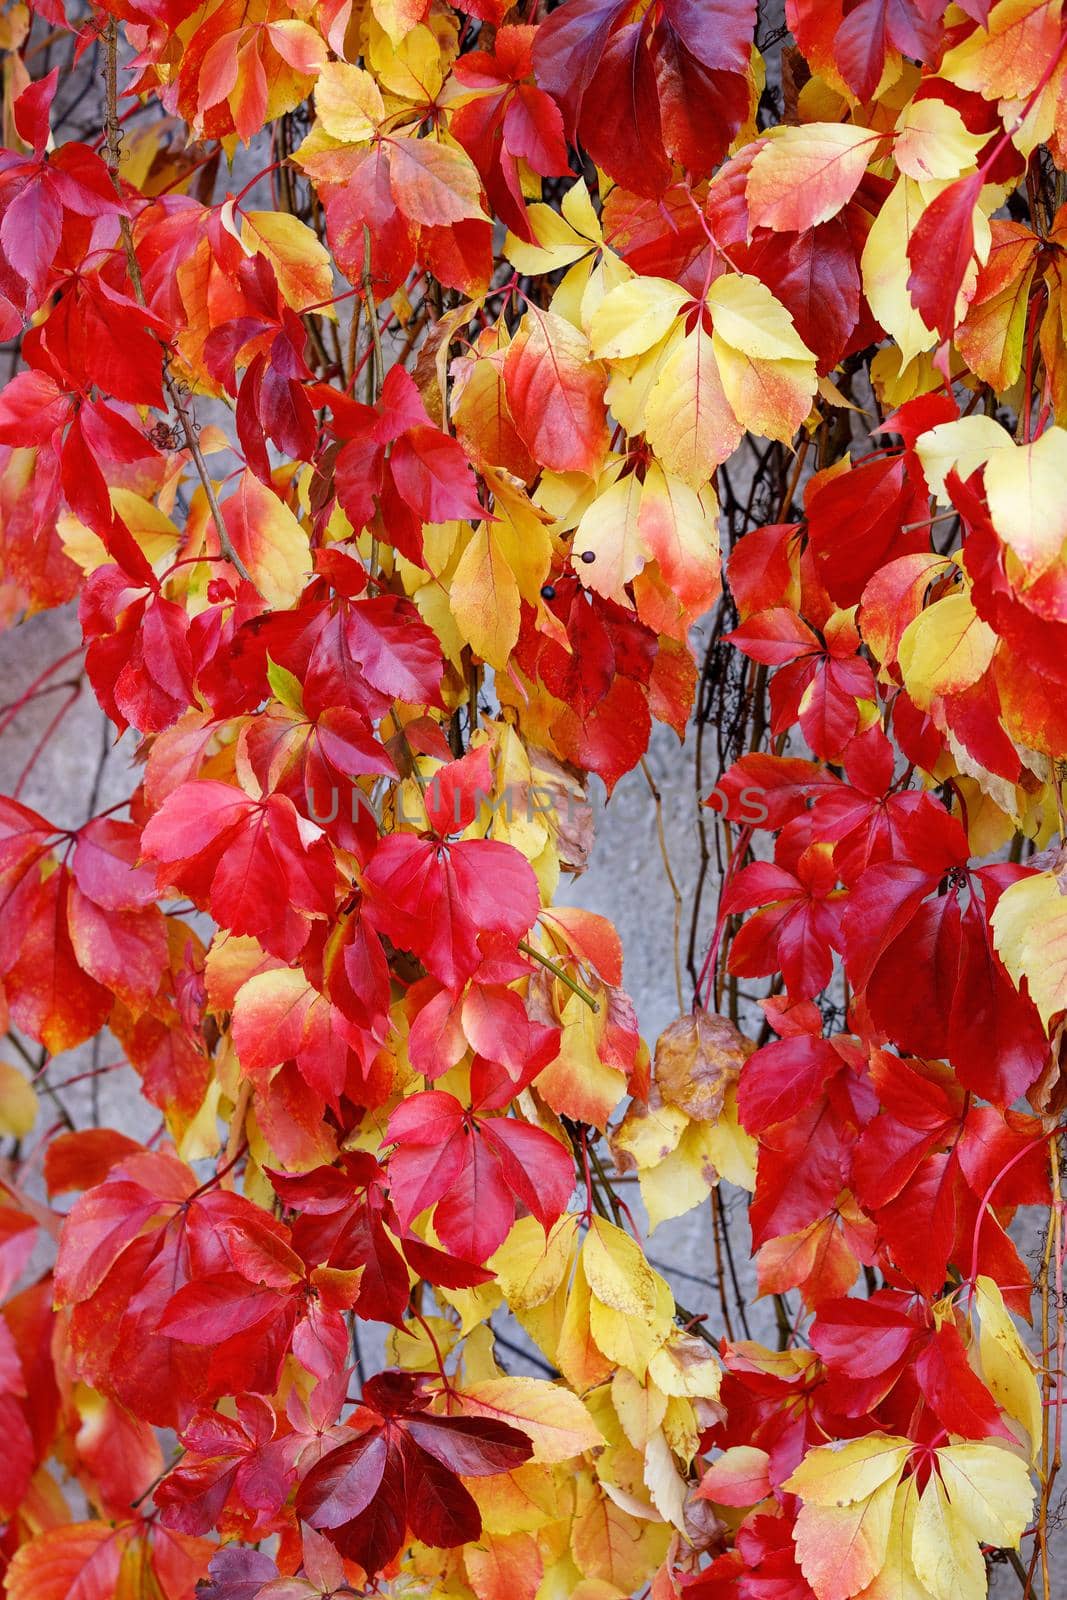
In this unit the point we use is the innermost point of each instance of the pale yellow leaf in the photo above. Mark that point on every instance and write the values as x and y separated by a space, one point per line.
348 102
1026 489
18 1102
640 1407
664 1482
531 1266
990 1490
609 532
885 269
648 1133
933 141
745 314
635 317
945 649
685 1368
1007 1366
963 446
946 1559
1030 933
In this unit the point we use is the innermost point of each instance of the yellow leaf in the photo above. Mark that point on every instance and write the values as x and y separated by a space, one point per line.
630 1340
640 1407
563 237
1030 933
885 269
484 598
18 1102
688 419
683 1175
964 446
348 102
746 316
611 1545
270 541
555 1420
648 1133
681 1427
945 649
685 1368
1025 490
990 1490
616 1270
625 1339
398 17
577 1354
947 1562
1007 1366
842 1473
301 262
731 1150
529 1266
682 1180
635 317
804 175
981 1493
416 67
609 532
933 141
664 1482
897 1579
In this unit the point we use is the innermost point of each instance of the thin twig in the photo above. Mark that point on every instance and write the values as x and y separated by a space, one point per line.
657 800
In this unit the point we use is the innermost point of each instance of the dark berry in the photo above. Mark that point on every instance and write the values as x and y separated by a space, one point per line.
548 591
588 556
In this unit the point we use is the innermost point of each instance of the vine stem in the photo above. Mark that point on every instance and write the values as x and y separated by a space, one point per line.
368 296
558 972
112 140
661 833
235 1137
157 1480
378 368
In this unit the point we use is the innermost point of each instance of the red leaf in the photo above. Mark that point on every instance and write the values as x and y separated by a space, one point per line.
403 1471
861 519
940 251
954 1392
435 899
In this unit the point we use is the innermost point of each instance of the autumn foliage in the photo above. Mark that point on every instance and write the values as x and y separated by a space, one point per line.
383 377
